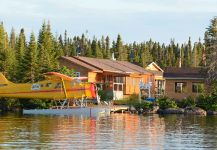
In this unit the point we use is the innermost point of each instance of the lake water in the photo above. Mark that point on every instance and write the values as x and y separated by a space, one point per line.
118 131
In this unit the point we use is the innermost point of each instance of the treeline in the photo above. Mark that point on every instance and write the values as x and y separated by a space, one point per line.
25 61
211 56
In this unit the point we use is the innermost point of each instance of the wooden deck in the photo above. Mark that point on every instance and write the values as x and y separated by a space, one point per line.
119 108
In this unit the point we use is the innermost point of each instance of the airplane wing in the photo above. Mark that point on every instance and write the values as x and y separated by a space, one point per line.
3 80
57 76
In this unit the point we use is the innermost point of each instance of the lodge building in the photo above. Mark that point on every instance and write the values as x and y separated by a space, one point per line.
120 78
183 82
159 81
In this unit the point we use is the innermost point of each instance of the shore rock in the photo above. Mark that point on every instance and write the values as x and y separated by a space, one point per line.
171 111
133 109
209 112
150 111
194 111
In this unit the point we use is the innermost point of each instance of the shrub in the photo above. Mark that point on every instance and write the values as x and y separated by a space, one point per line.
207 102
121 102
128 101
105 95
35 103
134 98
143 105
187 102
165 102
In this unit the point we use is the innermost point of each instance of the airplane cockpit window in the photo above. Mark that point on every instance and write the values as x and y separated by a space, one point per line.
58 85
48 84
73 83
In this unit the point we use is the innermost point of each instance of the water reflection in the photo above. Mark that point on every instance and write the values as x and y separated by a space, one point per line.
118 131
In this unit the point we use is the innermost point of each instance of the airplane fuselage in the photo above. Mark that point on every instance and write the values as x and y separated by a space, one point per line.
49 89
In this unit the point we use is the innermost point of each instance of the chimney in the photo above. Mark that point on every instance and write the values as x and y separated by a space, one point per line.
113 56
180 59
180 62
204 56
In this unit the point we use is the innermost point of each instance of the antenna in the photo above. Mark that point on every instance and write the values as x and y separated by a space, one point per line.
78 50
113 56
180 58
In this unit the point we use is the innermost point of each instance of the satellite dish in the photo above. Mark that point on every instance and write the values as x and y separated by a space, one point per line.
78 50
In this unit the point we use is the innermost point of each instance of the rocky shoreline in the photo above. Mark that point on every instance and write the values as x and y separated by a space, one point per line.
185 111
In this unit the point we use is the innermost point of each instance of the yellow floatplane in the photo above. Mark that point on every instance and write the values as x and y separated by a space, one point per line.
58 87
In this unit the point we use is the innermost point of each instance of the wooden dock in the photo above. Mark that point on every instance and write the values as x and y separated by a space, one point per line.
119 108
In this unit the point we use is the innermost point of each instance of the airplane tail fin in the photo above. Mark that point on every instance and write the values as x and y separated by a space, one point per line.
3 80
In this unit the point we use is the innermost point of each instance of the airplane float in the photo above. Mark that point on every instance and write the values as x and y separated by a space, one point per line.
56 86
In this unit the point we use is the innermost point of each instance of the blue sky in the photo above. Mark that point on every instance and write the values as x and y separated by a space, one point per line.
135 20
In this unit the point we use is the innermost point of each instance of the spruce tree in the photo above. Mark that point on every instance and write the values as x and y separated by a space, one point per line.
120 50
96 51
2 50
20 50
200 49
46 51
181 55
60 41
159 54
136 53
58 48
72 50
30 61
189 52
146 57
12 39
113 49
99 53
103 46
211 52
195 56
66 44
107 48
154 52
88 52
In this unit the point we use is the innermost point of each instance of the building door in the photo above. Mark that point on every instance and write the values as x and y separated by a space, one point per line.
118 88
159 88
118 91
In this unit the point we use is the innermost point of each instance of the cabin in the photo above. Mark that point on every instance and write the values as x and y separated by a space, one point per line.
159 86
119 78
181 83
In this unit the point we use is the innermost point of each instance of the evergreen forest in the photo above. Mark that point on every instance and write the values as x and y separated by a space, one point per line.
26 61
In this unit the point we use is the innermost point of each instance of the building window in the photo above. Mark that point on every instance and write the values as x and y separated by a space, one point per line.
77 74
108 78
118 87
159 87
118 79
180 87
197 87
115 87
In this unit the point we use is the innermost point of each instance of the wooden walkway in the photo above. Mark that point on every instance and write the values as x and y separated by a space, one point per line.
119 108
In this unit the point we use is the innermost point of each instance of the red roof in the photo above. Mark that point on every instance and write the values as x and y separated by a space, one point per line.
184 72
107 65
